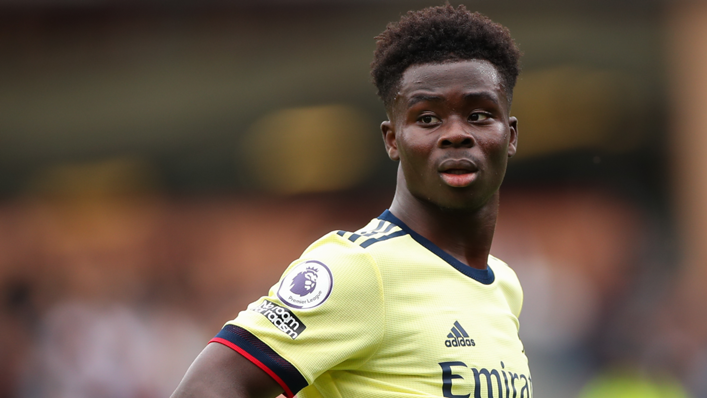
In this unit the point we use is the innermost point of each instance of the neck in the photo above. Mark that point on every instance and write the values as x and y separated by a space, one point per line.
466 233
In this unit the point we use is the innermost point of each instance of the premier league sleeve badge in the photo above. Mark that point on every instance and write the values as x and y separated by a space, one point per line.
307 285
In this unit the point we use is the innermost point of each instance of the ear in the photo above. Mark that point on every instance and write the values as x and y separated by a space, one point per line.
391 146
513 139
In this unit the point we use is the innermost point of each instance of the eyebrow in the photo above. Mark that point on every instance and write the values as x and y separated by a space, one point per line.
481 95
423 98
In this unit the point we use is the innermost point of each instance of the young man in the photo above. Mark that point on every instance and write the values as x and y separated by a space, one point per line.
412 304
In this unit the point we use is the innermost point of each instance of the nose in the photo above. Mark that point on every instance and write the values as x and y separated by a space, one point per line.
456 135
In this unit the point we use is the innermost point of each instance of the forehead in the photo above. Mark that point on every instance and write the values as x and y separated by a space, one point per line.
459 76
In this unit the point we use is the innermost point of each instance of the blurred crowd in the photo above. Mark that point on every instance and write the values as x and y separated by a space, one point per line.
113 295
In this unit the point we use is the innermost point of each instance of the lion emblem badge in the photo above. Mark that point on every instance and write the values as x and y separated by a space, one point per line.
306 285
305 282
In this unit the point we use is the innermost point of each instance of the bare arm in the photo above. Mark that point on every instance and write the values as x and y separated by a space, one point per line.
220 372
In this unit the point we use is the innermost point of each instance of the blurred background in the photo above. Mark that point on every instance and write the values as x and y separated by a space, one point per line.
162 163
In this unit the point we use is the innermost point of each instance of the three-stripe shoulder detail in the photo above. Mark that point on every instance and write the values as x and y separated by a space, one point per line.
373 233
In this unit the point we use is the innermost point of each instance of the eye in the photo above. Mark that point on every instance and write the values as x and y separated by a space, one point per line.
429 119
478 117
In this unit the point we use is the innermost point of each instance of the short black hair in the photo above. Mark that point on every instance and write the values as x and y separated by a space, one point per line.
441 34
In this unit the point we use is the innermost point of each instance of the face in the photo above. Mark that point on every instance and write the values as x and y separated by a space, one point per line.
451 130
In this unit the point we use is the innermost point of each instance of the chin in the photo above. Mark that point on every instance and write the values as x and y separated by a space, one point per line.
465 202
457 205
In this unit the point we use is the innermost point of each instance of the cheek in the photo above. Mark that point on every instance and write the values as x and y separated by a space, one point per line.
415 163
496 146
413 149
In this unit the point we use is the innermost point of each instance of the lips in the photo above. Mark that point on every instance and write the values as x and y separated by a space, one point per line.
457 166
458 173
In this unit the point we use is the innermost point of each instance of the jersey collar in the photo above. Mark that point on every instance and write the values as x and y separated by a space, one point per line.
485 276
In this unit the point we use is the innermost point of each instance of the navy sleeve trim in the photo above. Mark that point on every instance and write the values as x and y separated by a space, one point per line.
245 343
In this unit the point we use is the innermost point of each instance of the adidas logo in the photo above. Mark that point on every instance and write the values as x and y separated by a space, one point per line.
458 337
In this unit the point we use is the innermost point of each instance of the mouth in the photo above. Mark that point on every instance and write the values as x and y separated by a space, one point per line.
458 173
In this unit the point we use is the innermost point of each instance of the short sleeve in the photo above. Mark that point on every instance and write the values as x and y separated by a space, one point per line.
510 285
325 313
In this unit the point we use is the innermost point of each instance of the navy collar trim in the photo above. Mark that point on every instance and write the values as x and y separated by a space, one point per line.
485 276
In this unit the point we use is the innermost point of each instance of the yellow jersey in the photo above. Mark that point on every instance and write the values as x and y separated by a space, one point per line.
383 312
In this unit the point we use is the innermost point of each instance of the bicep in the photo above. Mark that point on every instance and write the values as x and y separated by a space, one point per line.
220 372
